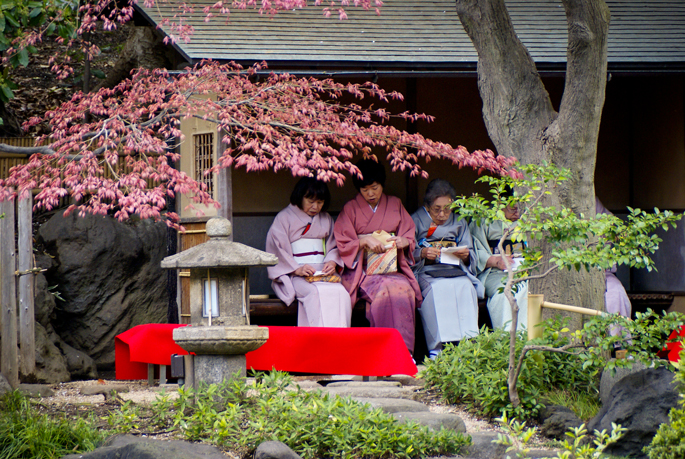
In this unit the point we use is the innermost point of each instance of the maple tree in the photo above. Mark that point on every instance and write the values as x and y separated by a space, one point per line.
113 151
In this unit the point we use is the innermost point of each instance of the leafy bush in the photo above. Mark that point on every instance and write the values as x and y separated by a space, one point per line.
475 372
314 424
579 446
642 338
669 441
25 433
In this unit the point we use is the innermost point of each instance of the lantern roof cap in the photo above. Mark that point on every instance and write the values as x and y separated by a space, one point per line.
219 251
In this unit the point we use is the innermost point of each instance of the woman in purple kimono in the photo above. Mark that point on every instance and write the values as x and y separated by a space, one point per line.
301 236
391 298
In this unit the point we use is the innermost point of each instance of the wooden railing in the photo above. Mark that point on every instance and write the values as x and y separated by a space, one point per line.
535 305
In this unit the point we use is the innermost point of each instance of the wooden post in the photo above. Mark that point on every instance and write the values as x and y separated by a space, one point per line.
534 315
8 296
27 317
224 184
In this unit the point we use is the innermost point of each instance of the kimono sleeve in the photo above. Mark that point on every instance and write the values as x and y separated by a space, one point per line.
332 252
346 238
480 245
278 243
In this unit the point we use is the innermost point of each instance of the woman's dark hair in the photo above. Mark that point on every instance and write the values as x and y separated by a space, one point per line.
309 187
436 189
371 172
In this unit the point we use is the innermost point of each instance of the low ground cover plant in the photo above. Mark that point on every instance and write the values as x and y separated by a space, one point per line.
474 373
238 417
578 445
26 433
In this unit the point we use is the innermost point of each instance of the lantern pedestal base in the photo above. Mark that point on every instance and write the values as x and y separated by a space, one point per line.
214 369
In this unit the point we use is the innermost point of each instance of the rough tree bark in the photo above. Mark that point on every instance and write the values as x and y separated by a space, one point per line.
522 122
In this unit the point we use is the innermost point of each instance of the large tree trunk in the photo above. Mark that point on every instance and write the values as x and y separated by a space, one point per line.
521 121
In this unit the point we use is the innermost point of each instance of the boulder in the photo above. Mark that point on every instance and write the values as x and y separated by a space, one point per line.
609 379
4 385
51 365
482 446
640 402
43 300
128 446
110 278
79 364
36 390
433 421
393 405
371 392
275 450
556 420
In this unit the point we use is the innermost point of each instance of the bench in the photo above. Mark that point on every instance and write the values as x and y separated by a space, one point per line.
267 310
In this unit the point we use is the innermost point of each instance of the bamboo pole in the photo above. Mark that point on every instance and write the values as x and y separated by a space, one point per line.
535 305
27 317
8 296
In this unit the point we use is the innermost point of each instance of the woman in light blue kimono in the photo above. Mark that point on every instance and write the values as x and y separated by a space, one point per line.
490 270
445 270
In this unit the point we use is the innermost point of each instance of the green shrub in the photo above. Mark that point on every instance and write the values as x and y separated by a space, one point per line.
25 433
669 441
475 372
314 424
642 338
580 446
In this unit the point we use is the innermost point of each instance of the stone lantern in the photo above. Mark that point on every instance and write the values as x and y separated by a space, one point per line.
220 333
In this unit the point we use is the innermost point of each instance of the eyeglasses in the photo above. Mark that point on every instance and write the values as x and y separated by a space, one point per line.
441 210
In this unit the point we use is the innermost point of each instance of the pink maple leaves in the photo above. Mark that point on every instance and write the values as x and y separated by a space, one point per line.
114 151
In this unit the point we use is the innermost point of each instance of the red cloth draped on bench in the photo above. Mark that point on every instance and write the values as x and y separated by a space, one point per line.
671 351
143 344
351 351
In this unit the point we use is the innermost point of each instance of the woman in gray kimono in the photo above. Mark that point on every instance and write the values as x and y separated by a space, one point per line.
445 270
490 270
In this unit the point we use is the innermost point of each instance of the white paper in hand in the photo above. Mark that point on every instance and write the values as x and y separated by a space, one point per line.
449 256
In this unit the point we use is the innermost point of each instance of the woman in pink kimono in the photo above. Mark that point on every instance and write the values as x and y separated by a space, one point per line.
391 299
301 236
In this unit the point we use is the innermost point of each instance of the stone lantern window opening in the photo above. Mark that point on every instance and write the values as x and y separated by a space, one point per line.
210 299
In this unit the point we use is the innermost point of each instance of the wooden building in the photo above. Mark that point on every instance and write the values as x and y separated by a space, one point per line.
419 48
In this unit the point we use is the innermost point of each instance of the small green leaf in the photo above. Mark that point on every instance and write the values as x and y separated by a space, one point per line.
24 57
7 93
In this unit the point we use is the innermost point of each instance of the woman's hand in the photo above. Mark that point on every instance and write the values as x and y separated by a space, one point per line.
304 271
329 268
497 261
400 242
372 244
462 253
430 253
